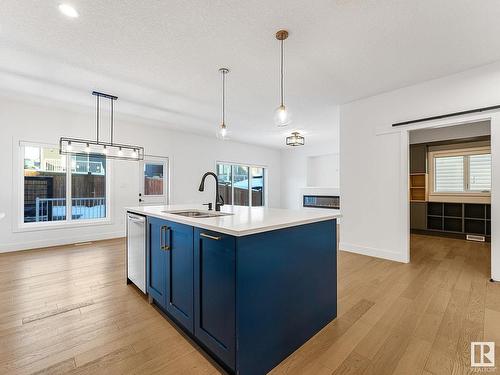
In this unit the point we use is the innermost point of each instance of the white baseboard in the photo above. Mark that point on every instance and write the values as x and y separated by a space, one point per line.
7 248
372 252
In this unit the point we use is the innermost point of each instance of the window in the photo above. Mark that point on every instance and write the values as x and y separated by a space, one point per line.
153 179
461 172
88 187
62 188
242 185
44 184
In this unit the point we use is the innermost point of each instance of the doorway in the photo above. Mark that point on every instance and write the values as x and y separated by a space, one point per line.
153 181
450 184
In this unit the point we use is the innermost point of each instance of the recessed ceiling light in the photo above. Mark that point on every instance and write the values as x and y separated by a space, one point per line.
68 10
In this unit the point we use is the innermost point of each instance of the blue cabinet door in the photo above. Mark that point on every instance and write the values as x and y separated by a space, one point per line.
157 261
179 242
214 293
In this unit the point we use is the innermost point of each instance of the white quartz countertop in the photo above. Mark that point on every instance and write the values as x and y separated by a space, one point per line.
243 221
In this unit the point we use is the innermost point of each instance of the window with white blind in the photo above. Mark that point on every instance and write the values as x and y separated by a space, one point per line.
461 172
480 172
449 174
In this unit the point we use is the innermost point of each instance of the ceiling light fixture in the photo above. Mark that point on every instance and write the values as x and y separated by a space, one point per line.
295 139
222 132
282 115
112 150
68 10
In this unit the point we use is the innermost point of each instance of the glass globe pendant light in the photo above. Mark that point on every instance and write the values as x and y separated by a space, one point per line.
282 115
222 131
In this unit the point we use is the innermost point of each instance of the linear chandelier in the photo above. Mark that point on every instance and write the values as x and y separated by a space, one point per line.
112 150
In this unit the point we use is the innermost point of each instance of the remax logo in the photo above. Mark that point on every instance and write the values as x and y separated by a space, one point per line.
482 354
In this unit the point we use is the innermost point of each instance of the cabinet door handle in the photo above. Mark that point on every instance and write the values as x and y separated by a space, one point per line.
163 232
161 237
217 238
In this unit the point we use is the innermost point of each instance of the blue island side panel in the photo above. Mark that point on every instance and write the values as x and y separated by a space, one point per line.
286 292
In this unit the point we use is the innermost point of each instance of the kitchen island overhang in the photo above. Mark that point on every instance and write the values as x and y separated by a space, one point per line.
251 287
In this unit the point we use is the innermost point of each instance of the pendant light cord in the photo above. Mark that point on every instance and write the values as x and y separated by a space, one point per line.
97 122
112 121
282 74
223 97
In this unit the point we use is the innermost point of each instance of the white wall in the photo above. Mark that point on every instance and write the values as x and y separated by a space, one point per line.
319 170
294 171
372 174
190 156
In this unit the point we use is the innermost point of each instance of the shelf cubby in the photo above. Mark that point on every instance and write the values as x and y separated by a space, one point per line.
435 209
434 223
418 187
459 218
453 209
475 211
453 224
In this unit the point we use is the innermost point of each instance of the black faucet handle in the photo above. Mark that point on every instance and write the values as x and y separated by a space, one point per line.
209 205
221 202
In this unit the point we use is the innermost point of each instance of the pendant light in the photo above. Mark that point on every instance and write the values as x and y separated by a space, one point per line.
112 150
282 115
222 132
295 140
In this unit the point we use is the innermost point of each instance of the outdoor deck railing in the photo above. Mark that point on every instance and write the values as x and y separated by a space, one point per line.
51 209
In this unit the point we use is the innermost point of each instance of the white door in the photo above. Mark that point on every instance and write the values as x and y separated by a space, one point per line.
154 181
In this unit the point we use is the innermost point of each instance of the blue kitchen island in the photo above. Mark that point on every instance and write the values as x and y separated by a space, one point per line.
250 286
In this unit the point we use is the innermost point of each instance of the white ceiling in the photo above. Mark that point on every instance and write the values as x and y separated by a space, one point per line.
162 57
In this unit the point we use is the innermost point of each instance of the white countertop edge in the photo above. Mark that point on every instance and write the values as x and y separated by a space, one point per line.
201 223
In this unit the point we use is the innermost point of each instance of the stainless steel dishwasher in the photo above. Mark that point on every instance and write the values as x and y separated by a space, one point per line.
136 250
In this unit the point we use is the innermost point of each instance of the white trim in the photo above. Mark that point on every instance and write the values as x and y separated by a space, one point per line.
404 140
495 184
372 252
241 164
54 225
30 245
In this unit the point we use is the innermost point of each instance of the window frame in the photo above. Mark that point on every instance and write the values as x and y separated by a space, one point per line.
249 166
69 222
469 196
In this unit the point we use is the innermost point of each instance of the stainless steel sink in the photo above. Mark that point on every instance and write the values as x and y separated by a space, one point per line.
197 214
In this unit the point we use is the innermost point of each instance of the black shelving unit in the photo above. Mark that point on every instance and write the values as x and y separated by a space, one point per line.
459 218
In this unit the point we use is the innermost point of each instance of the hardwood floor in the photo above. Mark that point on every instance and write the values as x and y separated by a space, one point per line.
68 310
